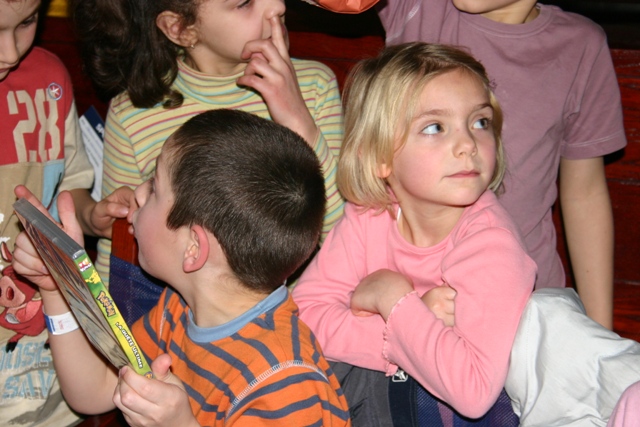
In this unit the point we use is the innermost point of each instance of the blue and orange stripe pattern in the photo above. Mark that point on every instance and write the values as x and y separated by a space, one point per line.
270 372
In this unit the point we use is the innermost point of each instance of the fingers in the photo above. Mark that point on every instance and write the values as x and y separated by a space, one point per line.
118 204
153 390
271 73
130 389
103 216
123 196
441 302
265 66
361 313
26 260
23 192
116 210
155 401
279 37
268 58
272 49
28 264
66 211
127 399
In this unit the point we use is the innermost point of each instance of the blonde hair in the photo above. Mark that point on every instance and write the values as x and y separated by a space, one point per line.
380 99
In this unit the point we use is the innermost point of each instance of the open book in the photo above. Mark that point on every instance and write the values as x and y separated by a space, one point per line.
83 289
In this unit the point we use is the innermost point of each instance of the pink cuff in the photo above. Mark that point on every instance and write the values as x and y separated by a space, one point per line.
391 367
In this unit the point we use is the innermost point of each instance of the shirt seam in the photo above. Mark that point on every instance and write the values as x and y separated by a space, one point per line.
268 374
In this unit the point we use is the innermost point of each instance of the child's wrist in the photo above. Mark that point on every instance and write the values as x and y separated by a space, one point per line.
312 135
393 296
49 294
61 324
54 302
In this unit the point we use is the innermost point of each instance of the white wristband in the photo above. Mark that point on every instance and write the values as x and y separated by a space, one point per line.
61 324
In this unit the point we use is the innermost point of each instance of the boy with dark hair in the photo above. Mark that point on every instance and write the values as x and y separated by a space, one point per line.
235 206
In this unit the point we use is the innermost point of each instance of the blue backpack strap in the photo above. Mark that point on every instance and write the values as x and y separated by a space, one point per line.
133 290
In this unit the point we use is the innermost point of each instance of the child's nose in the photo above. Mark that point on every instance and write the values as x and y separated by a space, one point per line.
274 8
9 55
465 144
141 193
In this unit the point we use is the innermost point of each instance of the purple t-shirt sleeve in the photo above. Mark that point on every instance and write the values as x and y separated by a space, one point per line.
594 124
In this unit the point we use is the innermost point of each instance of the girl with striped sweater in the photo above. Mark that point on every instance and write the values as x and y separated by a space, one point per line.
163 61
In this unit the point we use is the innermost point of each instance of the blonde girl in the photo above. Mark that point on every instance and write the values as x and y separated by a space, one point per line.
423 235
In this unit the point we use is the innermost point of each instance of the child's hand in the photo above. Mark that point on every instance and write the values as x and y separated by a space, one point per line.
115 205
160 401
379 292
271 73
441 301
26 260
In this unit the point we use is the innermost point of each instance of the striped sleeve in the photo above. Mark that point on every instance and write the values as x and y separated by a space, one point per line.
133 140
117 155
321 94
335 203
120 167
119 163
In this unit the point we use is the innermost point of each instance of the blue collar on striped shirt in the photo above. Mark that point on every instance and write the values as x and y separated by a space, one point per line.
207 335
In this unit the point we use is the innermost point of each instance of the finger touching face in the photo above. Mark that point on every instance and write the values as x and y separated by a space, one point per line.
224 28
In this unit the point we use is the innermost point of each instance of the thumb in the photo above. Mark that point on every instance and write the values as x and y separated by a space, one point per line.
161 368
23 192
67 213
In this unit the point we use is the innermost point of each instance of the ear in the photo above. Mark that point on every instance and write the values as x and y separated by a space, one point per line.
170 23
383 171
197 252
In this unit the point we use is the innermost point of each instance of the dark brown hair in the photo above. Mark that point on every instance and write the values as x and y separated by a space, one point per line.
124 50
256 185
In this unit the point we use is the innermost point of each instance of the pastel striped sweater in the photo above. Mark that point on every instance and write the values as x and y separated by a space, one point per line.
134 136
264 368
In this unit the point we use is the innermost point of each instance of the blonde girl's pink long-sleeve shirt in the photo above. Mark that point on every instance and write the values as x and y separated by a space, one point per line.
483 259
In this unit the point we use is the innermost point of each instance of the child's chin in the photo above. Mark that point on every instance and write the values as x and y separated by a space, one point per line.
143 263
4 73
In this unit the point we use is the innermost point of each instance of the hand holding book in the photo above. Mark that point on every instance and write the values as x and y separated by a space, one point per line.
27 261
79 283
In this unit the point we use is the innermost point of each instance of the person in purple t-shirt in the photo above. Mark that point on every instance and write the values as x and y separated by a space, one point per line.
554 78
